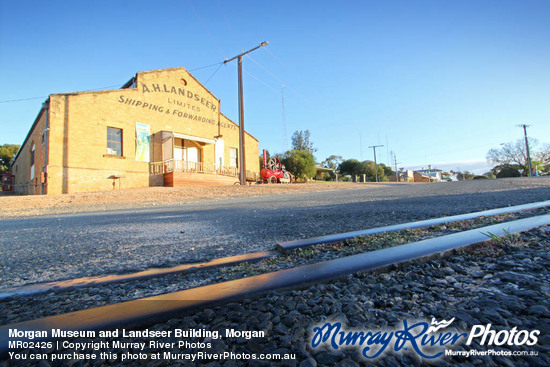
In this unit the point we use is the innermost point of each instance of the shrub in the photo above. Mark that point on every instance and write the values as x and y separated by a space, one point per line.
508 172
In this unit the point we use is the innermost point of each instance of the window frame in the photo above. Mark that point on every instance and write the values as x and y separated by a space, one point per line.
111 142
32 160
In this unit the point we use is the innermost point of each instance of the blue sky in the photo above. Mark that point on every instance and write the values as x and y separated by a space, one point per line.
435 82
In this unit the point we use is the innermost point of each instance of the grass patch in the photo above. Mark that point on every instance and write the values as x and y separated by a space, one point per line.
496 245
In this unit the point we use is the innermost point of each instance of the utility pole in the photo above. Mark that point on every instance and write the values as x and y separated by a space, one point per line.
395 166
375 164
283 117
242 173
526 145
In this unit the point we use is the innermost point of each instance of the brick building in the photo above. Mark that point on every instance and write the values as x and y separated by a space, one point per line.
162 128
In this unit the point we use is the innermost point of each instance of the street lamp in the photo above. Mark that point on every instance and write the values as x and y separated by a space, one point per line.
242 174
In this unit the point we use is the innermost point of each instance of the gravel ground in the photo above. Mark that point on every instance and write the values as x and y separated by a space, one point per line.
31 205
63 246
504 284
18 309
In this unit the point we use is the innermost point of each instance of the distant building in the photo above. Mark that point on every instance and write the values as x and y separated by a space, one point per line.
435 174
428 175
414 176
163 127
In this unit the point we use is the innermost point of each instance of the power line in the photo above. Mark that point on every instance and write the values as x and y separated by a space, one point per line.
278 79
22 99
252 21
207 66
214 73
41 97
283 65
295 75
111 86
261 81
227 23
265 69
206 28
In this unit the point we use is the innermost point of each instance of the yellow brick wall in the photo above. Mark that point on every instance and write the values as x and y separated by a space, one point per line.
252 151
22 167
167 100
231 139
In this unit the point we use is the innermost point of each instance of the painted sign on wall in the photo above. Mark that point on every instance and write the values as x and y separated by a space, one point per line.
143 133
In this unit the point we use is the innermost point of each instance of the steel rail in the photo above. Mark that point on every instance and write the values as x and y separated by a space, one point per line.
339 237
147 311
70 284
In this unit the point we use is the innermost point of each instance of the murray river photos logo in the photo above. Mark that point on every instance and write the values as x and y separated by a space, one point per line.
427 340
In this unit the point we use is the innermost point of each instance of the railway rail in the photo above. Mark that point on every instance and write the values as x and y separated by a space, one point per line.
137 313
284 247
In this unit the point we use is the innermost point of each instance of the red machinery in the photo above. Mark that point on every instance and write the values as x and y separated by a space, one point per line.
7 181
274 171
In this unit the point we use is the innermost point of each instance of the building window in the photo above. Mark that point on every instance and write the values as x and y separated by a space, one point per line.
32 161
233 157
114 141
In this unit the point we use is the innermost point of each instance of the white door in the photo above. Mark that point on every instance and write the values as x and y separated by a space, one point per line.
178 154
192 158
219 149
178 159
192 155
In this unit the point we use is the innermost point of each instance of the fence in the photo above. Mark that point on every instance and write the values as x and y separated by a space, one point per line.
171 165
27 189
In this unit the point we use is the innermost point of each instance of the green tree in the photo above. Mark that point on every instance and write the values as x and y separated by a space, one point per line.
541 160
514 155
384 172
354 167
300 163
350 167
463 176
332 162
388 171
543 154
370 171
300 141
7 153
